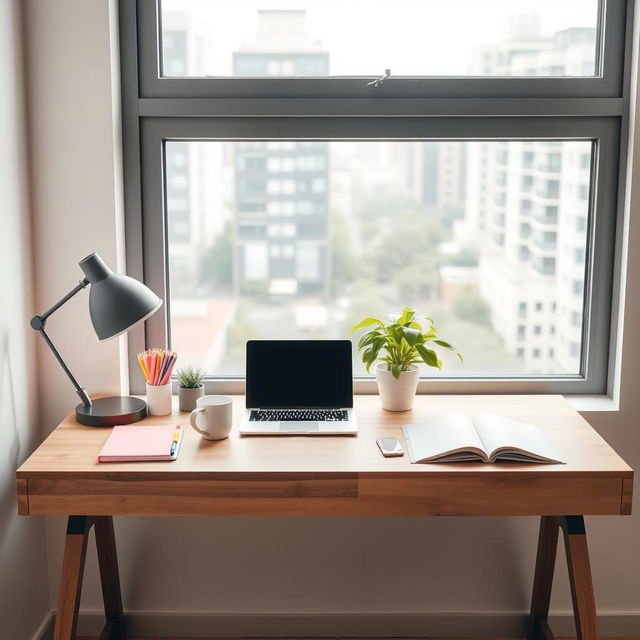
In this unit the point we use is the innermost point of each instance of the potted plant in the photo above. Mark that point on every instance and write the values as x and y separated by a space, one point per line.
399 345
190 387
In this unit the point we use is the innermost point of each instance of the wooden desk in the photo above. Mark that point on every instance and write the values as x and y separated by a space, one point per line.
330 476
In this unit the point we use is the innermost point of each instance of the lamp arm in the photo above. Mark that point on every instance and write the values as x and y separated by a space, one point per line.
38 322
79 287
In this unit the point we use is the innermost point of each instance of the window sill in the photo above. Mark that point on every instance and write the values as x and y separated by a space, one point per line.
593 403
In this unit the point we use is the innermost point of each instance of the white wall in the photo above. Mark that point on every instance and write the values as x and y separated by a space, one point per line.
266 565
24 592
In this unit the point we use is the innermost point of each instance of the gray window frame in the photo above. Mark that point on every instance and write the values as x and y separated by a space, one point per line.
159 109
608 82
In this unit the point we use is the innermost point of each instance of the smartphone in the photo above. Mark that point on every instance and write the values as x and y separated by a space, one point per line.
390 447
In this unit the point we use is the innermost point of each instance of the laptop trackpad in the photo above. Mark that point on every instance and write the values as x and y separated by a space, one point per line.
293 426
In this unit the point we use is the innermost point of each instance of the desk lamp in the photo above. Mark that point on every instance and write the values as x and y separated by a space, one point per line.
116 303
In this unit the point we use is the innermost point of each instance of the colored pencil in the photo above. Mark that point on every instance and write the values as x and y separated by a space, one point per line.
157 365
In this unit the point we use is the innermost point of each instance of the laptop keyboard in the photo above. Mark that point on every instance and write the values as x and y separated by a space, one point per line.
299 415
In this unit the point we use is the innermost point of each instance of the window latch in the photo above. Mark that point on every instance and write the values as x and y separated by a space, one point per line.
378 81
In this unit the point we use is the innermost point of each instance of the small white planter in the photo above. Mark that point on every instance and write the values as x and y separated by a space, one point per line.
397 395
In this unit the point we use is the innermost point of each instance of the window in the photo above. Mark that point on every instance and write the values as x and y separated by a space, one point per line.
527 160
249 38
255 221
578 286
527 183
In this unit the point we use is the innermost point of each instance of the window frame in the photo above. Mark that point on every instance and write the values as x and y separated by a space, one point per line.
610 54
159 109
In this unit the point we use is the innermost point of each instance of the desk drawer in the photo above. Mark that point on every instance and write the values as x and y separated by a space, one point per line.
349 494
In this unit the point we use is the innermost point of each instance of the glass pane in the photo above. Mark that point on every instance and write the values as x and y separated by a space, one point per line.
300 239
260 38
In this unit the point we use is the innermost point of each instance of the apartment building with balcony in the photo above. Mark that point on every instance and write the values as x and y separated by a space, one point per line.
527 211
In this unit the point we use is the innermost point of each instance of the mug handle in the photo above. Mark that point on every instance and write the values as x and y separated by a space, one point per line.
193 418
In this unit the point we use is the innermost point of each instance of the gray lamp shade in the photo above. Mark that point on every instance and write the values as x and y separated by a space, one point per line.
116 302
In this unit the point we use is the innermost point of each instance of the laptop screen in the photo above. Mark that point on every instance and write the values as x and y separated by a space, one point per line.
299 373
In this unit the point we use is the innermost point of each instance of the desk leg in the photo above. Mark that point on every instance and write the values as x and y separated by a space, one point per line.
75 552
543 578
584 608
584 603
110 578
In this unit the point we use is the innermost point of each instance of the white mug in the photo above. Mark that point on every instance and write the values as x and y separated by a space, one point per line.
215 416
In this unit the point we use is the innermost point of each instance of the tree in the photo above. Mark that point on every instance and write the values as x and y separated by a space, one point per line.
470 306
417 281
216 265
410 234
344 265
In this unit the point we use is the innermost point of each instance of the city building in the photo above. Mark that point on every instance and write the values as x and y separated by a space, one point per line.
440 174
197 174
281 221
527 213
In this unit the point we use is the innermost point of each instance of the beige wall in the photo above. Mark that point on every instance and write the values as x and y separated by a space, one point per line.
24 594
267 565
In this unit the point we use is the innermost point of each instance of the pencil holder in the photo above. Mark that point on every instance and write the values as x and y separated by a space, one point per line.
159 399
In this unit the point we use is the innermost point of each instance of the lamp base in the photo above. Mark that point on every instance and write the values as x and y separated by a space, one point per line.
108 412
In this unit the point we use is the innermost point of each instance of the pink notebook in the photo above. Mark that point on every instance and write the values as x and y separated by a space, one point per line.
131 443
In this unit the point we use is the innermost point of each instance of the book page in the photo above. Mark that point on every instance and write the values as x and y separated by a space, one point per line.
514 438
439 438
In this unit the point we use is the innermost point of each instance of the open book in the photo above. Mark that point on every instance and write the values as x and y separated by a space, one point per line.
487 437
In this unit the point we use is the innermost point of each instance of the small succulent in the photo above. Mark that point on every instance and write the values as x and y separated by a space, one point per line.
190 377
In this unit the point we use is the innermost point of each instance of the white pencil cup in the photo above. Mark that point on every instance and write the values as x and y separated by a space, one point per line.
159 399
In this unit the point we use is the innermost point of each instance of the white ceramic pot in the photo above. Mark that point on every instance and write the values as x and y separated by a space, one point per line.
397 395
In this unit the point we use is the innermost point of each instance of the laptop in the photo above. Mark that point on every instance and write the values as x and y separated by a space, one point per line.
299 387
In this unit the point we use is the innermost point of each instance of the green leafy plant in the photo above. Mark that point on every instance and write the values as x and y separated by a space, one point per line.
404 341
190 377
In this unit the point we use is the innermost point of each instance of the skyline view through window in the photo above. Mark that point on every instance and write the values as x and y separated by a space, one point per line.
292 238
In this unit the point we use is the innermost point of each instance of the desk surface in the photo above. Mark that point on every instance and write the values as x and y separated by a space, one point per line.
331 475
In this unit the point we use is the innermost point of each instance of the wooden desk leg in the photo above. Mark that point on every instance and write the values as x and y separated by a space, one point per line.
584 608
75 552
543 578
109 577
584 603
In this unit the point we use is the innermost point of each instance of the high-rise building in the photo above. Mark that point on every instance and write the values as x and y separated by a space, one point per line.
526 211
281 186
441 169
196 173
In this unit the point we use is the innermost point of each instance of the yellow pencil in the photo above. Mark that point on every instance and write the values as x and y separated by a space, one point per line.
157 367
144 371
